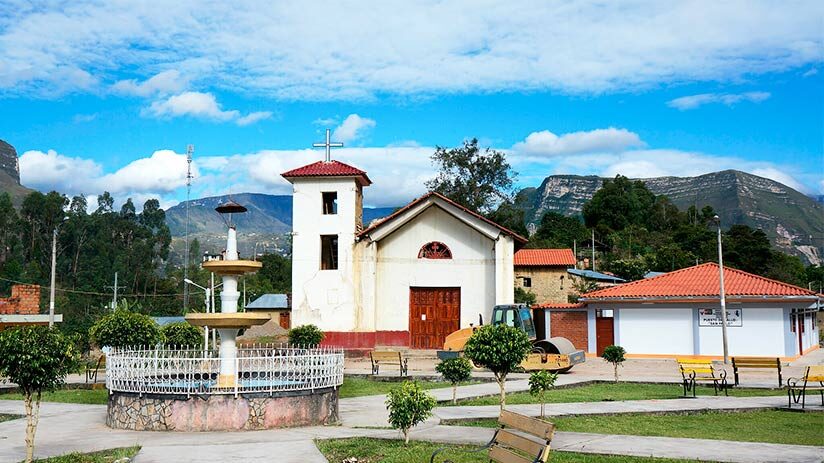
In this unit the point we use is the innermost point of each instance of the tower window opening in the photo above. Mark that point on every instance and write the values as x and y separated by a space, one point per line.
330 202
328 252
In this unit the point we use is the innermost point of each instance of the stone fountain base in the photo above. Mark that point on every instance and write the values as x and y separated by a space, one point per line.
247 412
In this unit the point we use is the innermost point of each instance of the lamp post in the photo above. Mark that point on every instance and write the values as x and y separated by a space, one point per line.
723 297
209 306
53 272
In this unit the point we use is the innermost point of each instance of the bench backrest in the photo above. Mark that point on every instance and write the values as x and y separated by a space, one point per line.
529 444
814 373
756 362
697 366
383 356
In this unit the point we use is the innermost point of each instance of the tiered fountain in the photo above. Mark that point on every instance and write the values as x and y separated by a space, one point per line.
196 389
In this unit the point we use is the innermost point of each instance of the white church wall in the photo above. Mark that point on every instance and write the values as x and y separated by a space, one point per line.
504 270
325 298
472 268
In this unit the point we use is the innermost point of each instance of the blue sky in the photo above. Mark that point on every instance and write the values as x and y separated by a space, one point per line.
106 97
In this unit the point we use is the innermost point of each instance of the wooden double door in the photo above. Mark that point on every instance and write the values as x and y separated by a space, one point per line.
433 314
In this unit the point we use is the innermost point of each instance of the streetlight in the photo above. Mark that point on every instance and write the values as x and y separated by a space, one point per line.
717 221
210 307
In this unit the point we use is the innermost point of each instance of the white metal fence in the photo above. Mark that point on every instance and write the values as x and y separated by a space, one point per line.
259 369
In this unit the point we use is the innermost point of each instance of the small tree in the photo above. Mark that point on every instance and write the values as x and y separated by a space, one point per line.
408 406
36 358
615 356
500 348
455 370
305 336
122 328
182 334
540 382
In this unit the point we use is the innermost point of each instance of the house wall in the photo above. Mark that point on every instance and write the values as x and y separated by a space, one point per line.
571 325
24 300
472 268
549 284
641 330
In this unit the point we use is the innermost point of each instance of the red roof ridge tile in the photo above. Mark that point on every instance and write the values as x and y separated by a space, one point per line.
331 168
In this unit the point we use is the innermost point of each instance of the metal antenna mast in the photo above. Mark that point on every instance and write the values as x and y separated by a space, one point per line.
190 150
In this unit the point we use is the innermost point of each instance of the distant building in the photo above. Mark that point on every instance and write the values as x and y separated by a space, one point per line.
543 272
678 314
277 305
23 308
602 279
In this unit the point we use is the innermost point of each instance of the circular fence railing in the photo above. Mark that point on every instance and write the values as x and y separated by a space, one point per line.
195 371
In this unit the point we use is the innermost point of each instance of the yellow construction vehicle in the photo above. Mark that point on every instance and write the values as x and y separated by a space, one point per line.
554 354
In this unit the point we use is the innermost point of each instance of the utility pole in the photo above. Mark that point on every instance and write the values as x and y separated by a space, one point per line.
53 271
114 292
575 251
593 249
189 152
723 295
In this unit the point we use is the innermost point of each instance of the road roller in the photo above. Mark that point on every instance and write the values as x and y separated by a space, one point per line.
553 354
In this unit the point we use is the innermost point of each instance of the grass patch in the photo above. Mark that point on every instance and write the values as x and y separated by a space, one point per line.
103 456
358 387
5 417
368 450
599 392
772 426
69 396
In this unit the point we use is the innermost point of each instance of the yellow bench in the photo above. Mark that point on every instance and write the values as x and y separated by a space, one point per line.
694 371
797 387
92 373
773 363
388 357
518 439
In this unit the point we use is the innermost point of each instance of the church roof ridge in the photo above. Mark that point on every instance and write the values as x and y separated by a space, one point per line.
331 168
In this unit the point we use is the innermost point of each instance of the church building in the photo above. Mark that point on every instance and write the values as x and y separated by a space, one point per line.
410 279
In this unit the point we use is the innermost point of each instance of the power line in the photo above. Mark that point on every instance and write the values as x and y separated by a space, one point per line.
91 293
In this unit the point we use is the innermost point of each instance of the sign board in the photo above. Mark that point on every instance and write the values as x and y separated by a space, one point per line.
712 317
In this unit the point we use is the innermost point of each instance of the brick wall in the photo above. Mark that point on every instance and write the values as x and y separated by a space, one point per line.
24 300
547 283
570 325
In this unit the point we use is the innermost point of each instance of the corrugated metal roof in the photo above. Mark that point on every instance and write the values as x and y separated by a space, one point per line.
270 301
700 280
542 257
595 275
163 321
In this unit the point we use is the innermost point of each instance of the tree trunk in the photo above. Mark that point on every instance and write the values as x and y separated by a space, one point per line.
454 393
32 416
406 436
542 408
502 384
616 372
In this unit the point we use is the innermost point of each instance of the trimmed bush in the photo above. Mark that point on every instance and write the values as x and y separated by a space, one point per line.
182 334
455 370
500 348
540 382
122 328
408 406
305 336
615 356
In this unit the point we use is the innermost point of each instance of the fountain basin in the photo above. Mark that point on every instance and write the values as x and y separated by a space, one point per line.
227 320
232 267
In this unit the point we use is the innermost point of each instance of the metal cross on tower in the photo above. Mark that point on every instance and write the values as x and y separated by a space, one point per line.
328 145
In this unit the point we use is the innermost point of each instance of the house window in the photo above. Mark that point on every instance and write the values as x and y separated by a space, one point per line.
328 252
527 282
434 250
330 202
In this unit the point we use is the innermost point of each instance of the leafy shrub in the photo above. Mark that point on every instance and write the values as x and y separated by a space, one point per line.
122 328
408 406
523 296
305 336
615 356
182 334
540 382
500 348
37 359
455 370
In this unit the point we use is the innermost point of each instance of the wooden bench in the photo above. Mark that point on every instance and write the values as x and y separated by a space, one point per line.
694 371
92 373
388 357
757 362
518 439
813 380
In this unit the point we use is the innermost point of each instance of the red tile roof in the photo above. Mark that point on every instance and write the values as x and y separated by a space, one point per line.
558 305
544 257
518 238
697 282
328 169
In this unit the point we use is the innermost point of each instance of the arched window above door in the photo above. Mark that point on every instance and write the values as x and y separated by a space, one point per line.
435 250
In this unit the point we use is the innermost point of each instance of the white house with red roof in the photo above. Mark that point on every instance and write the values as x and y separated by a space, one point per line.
678 313
425 271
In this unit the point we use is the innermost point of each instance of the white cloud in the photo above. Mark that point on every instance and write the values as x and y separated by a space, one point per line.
352 128
811 72
163 83
546 143
326 121
204 106
405 48
693 101
52 171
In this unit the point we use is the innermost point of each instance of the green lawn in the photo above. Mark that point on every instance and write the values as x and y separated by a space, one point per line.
104 456
368 450
357 387
9 417
71 396
773 426
598 392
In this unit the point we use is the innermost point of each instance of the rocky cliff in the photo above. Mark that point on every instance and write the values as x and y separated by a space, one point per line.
10 174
